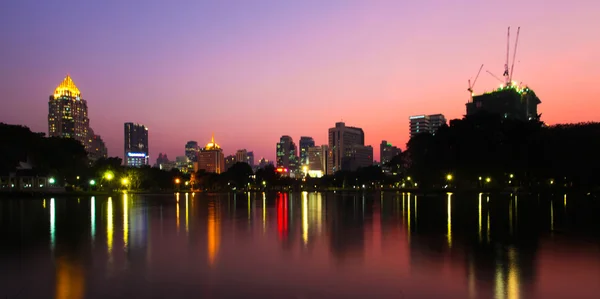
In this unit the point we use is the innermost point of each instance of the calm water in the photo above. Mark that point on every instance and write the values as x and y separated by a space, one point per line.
302 245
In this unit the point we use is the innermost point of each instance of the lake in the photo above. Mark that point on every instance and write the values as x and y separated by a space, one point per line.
301 245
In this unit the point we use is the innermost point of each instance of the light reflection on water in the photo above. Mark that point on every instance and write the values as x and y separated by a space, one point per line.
309 244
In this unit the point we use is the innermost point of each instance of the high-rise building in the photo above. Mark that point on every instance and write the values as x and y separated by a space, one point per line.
317 160
251 159
97 148
435 122
509 101
358 156
211 158
305 143
68 118
387 151
341 138
287 154
136 145
191 150
162 158
426 124
241 156
229 161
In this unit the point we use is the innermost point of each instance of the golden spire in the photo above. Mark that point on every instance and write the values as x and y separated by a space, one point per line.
67 88
212 144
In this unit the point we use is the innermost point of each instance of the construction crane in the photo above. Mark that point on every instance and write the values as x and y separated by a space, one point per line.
496 77
509 71
470 89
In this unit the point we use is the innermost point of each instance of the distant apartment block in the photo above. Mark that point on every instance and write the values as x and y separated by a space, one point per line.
426 123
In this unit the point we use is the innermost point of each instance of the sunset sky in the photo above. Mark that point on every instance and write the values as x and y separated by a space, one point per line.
251 71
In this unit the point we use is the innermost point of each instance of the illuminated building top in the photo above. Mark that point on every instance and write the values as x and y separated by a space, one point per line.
67 88
212 145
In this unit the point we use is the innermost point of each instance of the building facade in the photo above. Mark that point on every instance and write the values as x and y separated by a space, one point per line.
305 143
512 101
136 145
358 156
229 161
211 158
426 123
287 153
317 161
241 155
251 159
191 150
341 139
68 118
387 151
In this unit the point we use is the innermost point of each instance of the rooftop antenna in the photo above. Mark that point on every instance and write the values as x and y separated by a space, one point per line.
470 89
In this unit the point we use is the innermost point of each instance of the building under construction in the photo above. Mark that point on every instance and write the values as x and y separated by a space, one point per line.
511 100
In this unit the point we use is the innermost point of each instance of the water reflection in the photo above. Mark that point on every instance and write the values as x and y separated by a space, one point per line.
70 283
109 226
312 245
214 234
52 223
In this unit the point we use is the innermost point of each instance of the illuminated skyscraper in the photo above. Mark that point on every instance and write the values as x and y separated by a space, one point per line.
241 156
191 150
305 143
136 145
211 158
68 115
287 153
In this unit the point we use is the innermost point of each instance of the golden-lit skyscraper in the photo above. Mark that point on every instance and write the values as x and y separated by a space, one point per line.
68 118
211 158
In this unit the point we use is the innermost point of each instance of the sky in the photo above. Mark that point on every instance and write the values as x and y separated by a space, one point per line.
252 71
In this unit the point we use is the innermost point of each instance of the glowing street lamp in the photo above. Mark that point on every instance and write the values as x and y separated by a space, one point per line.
125 181
51 180
92 182
449 177
177 181
488 180
108 175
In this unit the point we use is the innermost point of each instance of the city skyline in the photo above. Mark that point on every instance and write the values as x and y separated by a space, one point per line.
188 70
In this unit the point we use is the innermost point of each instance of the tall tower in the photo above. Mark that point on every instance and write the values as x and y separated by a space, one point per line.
305 144
191 150
287 153
341 140
136 145
68 114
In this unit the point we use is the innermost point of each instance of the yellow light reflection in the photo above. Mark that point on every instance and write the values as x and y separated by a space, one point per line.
499 278
213 233
513 275
480 194
488 221
249 207
408 216
109 225
305 217
449 219
44 203
565 200
187 215
52 223
125 221
416 214
264 210
319 213
177 215
510 217
70 283
93 217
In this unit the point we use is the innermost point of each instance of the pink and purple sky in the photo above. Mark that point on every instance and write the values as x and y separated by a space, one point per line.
251 71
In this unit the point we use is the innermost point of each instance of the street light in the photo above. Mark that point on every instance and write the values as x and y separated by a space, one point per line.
124 181
449 177
108 175
51 180
177 181
92 182
488 179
